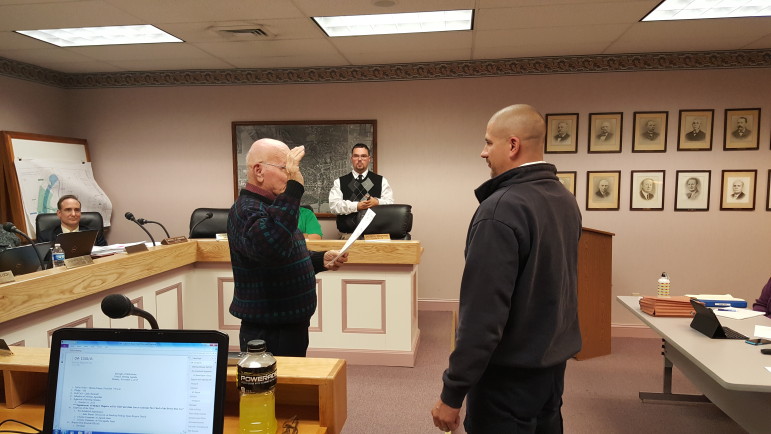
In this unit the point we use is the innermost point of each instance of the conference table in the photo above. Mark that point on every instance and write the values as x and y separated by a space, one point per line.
732 374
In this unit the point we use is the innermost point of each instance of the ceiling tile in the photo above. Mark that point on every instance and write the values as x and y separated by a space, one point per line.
59 15
189 11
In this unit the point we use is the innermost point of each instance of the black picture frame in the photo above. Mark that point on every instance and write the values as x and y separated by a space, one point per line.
561 133
645 139
605 132
595 201
736 120
647 190
694 130
736 197
692 190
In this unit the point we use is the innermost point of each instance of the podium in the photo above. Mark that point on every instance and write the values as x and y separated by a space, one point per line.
595 277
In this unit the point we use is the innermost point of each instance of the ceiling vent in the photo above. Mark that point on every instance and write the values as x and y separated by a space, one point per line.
244 32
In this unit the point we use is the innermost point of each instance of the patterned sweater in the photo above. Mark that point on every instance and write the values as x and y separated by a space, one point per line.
273 271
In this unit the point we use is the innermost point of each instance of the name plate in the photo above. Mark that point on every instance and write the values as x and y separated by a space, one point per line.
174 240
136 248
379 237
78 262
6 277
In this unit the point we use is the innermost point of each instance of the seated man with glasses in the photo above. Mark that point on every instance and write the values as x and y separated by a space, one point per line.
358 191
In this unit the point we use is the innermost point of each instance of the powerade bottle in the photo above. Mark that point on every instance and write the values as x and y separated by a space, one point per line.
256 383
57 256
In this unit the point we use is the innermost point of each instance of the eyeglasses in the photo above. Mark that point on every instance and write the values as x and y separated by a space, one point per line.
274 165
359 157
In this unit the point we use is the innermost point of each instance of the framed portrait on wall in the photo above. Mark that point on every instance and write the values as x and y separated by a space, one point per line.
738 191
692 190
327 152
647 190
602 190
741 129
694 131
568 179
561 133
605 131
768 193
650 132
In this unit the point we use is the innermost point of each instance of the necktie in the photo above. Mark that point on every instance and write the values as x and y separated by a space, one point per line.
360 178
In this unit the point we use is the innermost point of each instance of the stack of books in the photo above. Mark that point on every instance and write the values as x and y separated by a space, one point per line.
667 306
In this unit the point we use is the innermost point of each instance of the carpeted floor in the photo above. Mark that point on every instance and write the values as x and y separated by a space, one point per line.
600 393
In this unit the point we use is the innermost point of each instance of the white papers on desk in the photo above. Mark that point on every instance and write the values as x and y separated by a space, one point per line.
762 331
737 313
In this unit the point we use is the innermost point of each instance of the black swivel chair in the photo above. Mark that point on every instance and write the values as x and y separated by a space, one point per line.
209 228
395 220
44 222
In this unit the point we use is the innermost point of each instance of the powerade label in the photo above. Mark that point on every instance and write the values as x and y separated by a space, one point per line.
256 380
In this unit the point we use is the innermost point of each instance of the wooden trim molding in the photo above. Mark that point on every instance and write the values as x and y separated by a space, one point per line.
729 59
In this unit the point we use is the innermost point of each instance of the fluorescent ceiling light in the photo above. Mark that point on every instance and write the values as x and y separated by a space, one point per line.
110 35
670 10
388 24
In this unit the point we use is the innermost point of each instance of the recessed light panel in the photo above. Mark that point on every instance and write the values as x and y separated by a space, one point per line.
110 35
388 24
670 10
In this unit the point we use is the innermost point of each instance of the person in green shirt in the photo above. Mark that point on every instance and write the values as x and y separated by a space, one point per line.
309 224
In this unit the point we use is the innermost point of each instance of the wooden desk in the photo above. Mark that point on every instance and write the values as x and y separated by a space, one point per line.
367 310
313 389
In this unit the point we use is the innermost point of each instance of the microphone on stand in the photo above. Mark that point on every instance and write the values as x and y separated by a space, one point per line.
206 217
9 227
118 306
130 216
144 222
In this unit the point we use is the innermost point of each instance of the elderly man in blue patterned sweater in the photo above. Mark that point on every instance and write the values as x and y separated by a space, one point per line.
273 271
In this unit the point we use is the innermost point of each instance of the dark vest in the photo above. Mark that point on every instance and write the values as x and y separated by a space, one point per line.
347 223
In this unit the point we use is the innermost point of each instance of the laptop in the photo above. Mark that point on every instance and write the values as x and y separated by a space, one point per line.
77 244
706 322
121 380
22 260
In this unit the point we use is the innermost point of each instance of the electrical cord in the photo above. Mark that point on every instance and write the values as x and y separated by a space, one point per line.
36 431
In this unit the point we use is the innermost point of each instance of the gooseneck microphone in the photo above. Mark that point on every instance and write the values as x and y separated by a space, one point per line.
10 227
118 306
144 222
130 216
206 217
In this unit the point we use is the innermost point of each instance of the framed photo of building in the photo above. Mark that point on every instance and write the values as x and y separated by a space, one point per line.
561 133
742 129
738 191
650 132
694 132
647 190
602 190
605 131
692 190
568 179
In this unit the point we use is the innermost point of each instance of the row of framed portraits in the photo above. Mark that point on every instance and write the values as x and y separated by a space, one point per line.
646 191
694 133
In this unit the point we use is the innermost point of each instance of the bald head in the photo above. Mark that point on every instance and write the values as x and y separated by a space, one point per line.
266 165
515 135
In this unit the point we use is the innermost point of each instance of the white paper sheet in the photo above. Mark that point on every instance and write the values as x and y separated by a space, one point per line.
730 312
762 331
365 221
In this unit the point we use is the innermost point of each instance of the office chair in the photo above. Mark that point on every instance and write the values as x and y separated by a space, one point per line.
395 220
209 228
44 222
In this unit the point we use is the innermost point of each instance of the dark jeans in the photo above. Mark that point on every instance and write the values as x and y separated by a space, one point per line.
516 400
284 340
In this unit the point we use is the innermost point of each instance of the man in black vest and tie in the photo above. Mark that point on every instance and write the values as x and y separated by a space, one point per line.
358 190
